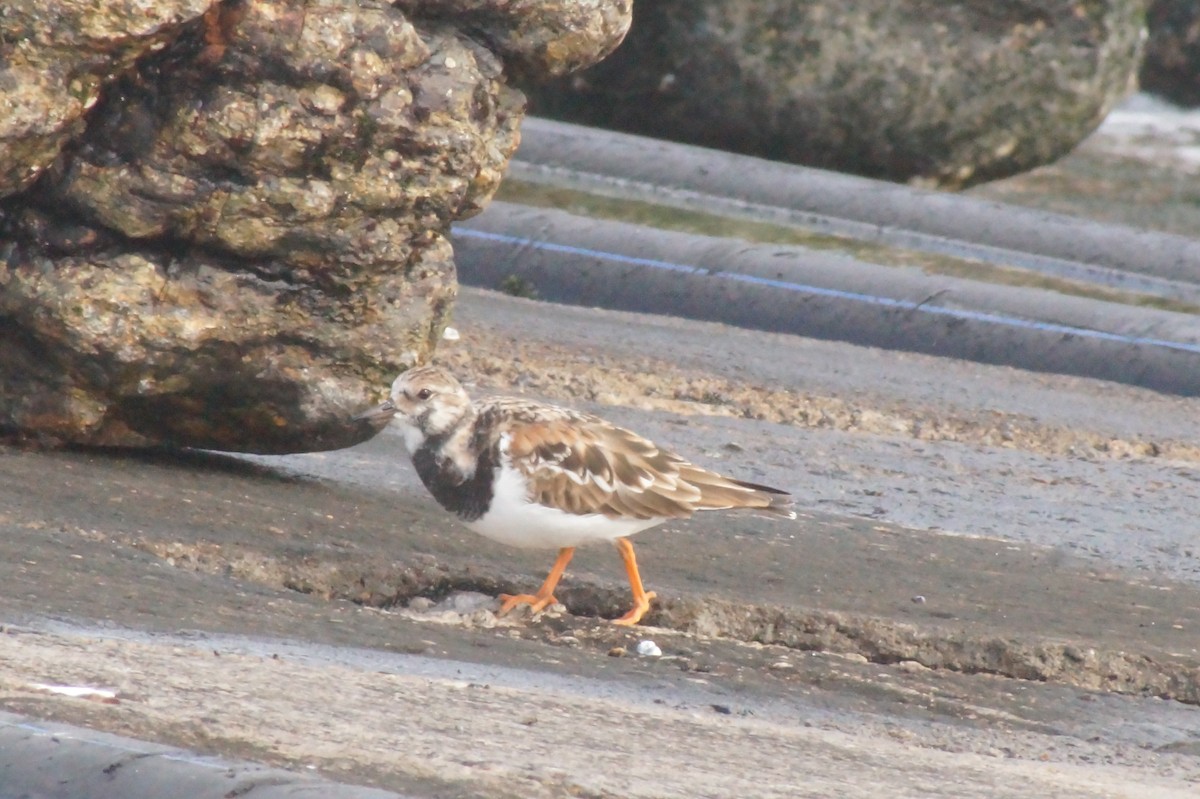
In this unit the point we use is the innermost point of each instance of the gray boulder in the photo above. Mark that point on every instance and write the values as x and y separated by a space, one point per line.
225 225
940 93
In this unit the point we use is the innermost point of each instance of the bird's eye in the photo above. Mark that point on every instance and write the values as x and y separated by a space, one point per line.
424 394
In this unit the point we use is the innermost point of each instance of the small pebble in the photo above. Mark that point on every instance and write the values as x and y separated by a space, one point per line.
617 652
648 649
420 603
450 334
483 618
918 600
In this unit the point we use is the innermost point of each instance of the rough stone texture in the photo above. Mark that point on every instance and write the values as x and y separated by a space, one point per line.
950 94
243 239
537 37
1171 68
54 59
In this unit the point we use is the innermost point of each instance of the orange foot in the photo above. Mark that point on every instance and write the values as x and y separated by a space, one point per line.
641 597
635 614
536 603
545 594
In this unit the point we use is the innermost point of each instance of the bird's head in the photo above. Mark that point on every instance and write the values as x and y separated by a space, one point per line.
426 400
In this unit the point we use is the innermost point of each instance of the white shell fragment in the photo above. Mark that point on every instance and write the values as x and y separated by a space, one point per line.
648 649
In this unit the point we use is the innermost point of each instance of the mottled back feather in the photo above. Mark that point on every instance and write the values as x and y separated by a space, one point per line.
582 464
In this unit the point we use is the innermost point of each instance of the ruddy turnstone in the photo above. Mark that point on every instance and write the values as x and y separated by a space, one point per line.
529 474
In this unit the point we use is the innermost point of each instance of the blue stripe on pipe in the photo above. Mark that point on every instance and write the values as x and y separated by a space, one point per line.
853 296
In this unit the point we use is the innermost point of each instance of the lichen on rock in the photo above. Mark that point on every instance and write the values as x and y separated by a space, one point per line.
54 59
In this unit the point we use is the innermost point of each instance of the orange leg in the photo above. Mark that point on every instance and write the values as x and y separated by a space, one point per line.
545 594
641 597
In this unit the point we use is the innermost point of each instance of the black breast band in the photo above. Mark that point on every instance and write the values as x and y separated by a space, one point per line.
469 498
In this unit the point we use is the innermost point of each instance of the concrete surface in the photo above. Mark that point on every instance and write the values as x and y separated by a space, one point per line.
41 760
992 589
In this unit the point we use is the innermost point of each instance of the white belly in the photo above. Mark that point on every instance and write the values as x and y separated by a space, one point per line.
512 519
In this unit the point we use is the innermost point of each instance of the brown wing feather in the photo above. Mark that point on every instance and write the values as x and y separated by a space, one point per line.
582 464
571 466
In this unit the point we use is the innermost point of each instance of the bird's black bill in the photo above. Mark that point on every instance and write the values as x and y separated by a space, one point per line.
385 410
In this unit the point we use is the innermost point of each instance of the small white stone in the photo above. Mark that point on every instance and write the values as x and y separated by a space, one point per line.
450 334
648 649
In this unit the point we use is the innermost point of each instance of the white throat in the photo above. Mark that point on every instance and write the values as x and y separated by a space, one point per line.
413 437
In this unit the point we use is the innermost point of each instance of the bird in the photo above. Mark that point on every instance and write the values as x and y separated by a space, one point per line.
530 474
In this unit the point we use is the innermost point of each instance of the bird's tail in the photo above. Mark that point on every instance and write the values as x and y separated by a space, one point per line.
779 503
719 492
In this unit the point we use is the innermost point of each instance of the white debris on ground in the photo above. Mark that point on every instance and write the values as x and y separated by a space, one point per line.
648 649
77 691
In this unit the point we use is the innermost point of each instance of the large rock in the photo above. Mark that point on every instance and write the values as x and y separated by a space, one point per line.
946 93
1171 68
244 237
